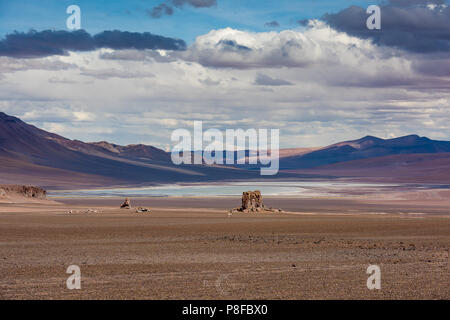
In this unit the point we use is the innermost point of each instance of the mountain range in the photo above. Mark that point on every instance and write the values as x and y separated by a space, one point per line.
30 155
364 148
34 156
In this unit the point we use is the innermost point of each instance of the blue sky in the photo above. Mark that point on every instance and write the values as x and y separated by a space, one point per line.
186 23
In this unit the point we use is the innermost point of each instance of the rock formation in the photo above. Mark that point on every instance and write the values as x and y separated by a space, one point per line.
126 204
23 191
252 202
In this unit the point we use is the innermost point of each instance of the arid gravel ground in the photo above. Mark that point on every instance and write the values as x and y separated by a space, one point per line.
192 249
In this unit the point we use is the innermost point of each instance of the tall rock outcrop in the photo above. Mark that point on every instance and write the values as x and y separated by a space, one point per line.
252 202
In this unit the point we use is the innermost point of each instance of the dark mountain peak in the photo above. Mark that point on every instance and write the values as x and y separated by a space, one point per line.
367 147
371 141
365 142
368 138
7 118
411 137
410 140
415 136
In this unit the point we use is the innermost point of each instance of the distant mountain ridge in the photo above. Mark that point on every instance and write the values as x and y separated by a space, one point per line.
17 136
364 148
29 155
32 154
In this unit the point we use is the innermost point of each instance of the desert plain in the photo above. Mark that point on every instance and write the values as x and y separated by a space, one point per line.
192 248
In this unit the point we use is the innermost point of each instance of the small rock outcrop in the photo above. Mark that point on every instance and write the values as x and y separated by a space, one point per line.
252 202
126 204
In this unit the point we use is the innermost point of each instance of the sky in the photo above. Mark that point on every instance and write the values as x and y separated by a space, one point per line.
139 69
186 23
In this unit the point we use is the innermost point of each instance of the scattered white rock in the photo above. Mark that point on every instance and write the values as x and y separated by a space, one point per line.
141 209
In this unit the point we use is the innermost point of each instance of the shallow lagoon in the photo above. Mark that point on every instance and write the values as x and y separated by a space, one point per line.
272 188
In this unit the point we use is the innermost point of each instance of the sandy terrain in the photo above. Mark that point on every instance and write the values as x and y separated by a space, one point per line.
191 249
